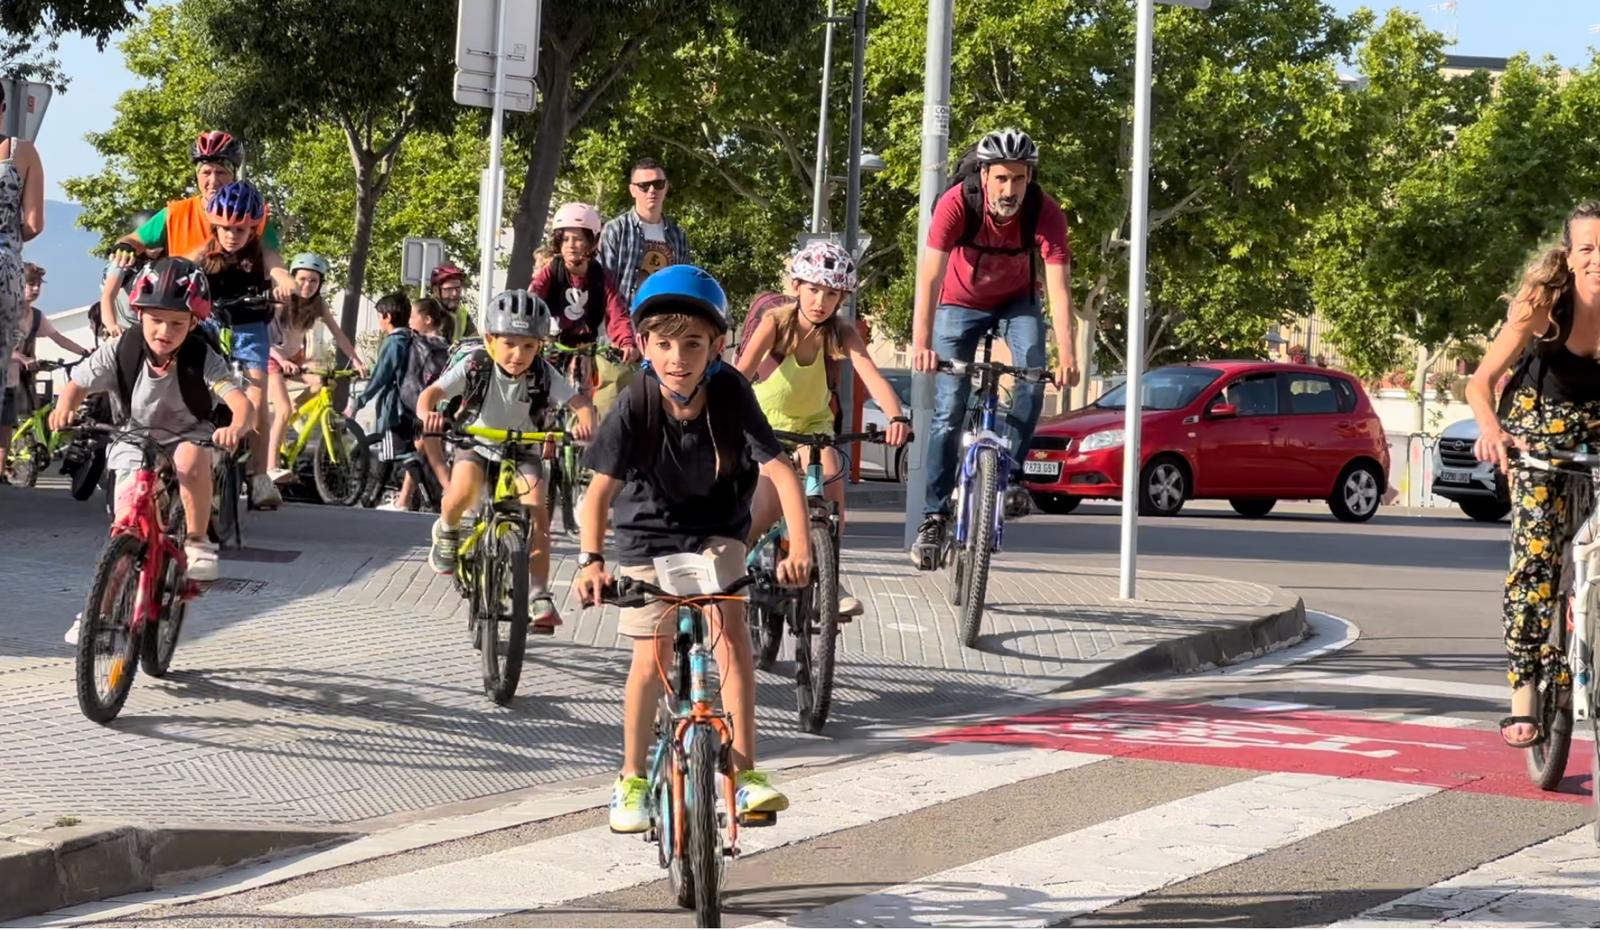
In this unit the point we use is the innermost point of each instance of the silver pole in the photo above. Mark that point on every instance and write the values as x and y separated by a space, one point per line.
1136 296
819 193
935 150
852 201
491 187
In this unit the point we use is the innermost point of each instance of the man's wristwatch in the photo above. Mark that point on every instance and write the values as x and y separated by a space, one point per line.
590 558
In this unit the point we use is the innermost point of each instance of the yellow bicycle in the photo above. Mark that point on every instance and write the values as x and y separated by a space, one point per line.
492 562
340 453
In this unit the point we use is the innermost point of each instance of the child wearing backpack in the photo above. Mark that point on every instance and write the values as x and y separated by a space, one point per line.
166 378
393 420
505 385
679 456
429 356
794 343
290 330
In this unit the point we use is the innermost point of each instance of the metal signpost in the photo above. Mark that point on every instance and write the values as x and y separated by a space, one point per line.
418 258
1137 257
26 102
497 58
935 149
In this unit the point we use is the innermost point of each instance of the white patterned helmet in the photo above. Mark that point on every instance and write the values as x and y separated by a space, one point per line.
1007 145
826 264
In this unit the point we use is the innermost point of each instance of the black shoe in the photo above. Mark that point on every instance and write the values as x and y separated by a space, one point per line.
1018 502
930 539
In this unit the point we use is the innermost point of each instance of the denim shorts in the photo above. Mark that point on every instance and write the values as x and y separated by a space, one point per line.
251 345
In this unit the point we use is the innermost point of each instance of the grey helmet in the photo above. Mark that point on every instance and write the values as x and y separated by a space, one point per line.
1007 145
517 313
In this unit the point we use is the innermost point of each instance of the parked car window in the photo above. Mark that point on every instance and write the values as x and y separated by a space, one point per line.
1165 388
1254 396
1312 394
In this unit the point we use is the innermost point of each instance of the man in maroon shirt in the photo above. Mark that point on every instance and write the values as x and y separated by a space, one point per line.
985 279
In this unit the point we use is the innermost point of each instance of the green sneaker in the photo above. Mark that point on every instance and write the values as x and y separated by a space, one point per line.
757 794
442 555
628 814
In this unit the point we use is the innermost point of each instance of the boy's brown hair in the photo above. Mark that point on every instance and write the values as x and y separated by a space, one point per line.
677 325
33 274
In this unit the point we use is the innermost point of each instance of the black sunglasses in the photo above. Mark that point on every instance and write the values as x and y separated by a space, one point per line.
659 184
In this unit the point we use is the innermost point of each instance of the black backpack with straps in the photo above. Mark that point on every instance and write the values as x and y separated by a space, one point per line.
190 370
645 413
968 176
480 369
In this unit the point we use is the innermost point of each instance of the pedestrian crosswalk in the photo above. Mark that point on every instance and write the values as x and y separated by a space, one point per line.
956 832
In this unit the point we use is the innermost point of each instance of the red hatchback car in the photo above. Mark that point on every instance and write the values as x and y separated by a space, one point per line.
1252 433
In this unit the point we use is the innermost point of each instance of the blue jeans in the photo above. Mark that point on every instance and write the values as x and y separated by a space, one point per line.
956 334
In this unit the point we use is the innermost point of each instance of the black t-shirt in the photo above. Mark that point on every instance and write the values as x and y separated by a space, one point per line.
648 521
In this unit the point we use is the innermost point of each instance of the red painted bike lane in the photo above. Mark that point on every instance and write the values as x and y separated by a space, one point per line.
1286 739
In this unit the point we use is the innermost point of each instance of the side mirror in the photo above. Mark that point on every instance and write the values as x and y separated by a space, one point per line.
1222 411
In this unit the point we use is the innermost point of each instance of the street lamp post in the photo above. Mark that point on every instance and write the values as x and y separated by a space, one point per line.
852 199
819 192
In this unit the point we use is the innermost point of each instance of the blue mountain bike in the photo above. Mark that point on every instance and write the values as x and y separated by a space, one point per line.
986 467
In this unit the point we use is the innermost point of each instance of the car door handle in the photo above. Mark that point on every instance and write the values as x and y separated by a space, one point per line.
1273 429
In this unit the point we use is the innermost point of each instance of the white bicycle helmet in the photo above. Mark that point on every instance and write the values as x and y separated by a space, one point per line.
824 263
1007 145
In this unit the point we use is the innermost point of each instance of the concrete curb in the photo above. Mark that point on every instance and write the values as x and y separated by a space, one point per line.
1281 624
875 494
63 866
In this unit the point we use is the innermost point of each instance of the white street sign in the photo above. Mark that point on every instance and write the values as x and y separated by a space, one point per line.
418 258
26 102
476 41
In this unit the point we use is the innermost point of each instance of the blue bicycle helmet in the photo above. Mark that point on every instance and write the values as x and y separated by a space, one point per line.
237 203
682 289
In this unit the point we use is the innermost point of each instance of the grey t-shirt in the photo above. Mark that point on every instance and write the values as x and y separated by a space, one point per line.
156 402
505 405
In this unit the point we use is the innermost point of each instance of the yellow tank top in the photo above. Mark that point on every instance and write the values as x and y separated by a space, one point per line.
795 396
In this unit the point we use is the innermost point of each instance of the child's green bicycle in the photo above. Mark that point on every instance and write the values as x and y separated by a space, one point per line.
340 454
492 562
35 444
568 477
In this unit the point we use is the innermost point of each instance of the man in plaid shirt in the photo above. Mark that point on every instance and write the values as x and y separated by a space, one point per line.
635 245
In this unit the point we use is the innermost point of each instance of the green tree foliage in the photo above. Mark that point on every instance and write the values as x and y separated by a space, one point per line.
96 18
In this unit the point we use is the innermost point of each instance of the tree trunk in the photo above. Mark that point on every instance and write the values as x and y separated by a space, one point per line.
539 181
1419 385
1088 329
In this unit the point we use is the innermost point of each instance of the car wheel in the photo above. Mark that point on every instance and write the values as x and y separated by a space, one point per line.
1485 510
1253 506
1056 503
1163 487
1356 494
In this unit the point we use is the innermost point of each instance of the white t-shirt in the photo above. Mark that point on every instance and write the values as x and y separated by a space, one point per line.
657 253
505 404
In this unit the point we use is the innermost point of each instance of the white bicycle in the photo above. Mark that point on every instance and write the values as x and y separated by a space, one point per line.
1567 691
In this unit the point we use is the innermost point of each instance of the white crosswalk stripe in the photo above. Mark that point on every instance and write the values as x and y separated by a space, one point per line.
1118 859
594 861
1549 884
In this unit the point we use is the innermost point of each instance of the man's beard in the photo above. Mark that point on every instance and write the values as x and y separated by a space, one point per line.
1005 207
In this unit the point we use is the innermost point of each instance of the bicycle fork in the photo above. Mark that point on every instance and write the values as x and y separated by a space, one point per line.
1585 601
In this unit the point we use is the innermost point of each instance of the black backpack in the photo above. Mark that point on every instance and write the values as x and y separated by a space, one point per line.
645 413
480 368
133 354
968 176
426 359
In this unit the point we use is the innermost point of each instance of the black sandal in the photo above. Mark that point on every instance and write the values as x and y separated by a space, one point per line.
1518 720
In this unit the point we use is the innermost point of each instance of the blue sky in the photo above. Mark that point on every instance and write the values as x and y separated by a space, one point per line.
1485 27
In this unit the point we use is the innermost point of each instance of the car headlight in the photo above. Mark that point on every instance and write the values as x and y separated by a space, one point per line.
1105 439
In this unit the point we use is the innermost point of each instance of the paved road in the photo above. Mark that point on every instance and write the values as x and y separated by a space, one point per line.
1365 785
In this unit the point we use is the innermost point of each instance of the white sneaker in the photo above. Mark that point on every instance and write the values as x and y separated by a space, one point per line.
72 632
279 475
202 558
850 605
391 506
264 493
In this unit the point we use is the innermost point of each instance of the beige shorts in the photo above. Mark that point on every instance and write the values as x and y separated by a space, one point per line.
649 620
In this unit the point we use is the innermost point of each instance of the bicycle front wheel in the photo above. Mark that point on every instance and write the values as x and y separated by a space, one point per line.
340 472
980 543
108 645
157 646
1547 761
378 477
26 461
505 616
227 518
705 841
814 684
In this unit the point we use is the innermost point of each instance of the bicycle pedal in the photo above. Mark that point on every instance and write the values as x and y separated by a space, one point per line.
758 818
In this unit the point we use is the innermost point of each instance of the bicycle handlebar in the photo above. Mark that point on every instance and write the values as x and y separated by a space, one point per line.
507 436
1557 459
143 434
591 350
333 374
829 440
966 369
256 299
48 365
634 592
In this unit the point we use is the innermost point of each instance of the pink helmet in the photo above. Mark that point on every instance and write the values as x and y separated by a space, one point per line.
577 216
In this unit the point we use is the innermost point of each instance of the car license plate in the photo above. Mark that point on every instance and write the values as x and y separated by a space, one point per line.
1042 471
1456 477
